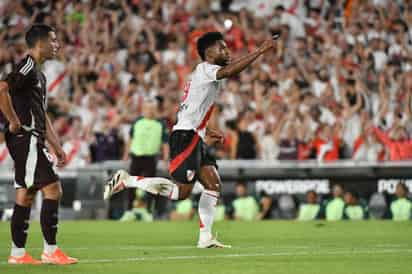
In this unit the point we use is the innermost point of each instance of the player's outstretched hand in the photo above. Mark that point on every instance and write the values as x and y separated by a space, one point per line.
61 157
267 45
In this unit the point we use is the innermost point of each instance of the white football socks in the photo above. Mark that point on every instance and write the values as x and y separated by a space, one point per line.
155 185
49 249
207 210
17 251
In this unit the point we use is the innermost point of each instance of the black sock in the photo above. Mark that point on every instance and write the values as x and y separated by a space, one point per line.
131 196
20 225
49 220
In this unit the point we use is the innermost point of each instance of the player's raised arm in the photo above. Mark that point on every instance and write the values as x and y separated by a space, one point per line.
6 107
240 64
213 50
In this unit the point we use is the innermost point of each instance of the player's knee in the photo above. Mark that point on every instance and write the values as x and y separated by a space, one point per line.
59 193
213 184
26 200
53 192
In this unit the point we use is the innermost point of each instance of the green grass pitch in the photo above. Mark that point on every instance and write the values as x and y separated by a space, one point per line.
258 247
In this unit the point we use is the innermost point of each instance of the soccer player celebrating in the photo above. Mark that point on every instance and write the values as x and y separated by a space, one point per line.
189 158
23 103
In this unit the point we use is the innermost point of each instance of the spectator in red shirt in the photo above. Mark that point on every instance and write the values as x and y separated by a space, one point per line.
399 146
234 35
327 144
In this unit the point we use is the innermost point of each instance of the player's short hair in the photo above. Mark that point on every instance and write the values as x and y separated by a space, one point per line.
207 40
354 193
36 33
311 192
242 184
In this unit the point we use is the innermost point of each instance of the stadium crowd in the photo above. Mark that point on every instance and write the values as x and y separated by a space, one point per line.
337 87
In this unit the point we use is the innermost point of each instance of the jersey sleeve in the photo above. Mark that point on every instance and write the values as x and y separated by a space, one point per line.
209 71
23 74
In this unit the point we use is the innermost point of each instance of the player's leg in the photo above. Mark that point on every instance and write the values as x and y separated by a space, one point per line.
155 185
208 200
210 179
186 158
52 194
47 181
20 226
22 153
48 215
209 197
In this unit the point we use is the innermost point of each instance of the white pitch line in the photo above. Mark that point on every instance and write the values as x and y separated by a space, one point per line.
237 255
390 245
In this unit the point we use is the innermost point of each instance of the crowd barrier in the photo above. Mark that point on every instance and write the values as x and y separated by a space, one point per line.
83 188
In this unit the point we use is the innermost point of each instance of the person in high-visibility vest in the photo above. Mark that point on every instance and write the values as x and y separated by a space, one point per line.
401 208
148 139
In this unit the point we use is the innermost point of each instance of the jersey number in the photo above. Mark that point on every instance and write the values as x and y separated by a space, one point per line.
186 90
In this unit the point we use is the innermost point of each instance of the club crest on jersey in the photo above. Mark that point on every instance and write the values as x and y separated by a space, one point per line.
190 174
39 84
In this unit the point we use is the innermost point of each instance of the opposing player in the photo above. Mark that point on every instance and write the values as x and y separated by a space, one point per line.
23 103
190 160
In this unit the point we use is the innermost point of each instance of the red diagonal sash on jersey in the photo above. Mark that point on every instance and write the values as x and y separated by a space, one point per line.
57 81
206 119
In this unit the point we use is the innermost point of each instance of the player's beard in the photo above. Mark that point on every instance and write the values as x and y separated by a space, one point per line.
222 61
51 53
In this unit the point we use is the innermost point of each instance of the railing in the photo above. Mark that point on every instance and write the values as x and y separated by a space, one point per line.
84 186
258 169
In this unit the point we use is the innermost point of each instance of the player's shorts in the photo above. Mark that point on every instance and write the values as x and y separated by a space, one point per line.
188 153
33 165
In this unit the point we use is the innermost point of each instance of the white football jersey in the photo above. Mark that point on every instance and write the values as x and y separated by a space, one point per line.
199 98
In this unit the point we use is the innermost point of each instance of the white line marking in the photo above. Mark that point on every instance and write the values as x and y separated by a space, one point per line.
390 245
237 255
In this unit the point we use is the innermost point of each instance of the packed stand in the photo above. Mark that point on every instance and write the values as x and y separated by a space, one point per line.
337 87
